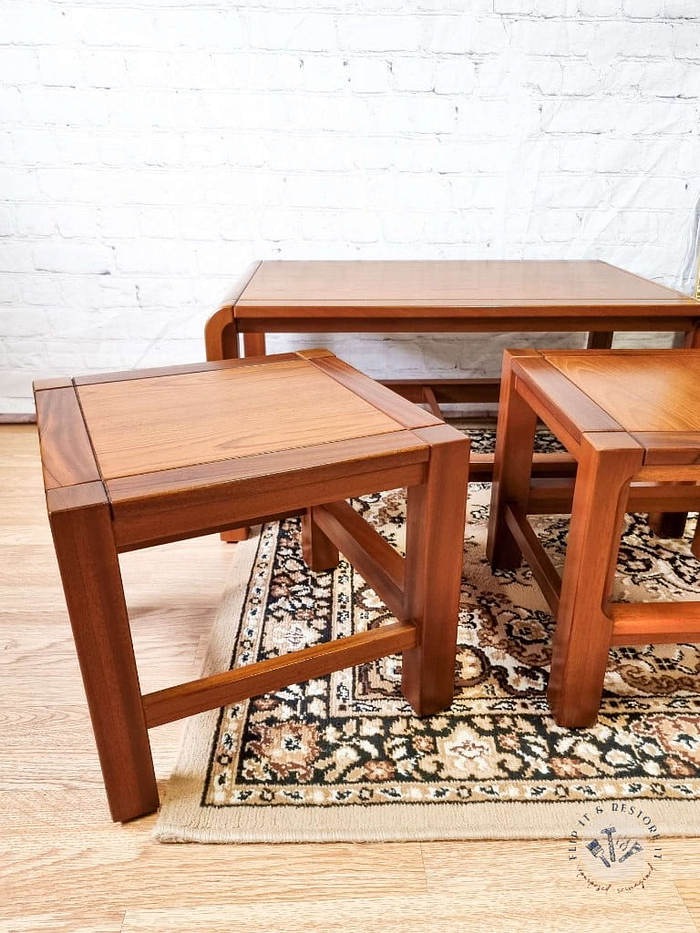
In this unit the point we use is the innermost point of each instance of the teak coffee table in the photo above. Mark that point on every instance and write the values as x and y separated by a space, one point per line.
141 458
631 420
445 296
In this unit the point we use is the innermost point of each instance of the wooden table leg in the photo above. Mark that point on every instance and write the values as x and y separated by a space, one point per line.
434 548
254 344
695 545
600 340
319 551
222 343
92 583
668 524
672 524
221 336
515 438
607 462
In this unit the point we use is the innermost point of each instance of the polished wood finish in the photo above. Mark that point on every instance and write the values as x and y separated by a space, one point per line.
431 401
365 535
184 453
174 421
544 382
642 390
275 673
583 634
483 288
396 407
555 496
669 447
447 296
600 340
107 879
637 397
434 548
543 569
656 623
551 465
373 557
254 344
446 390
511 473
131 375
462 297
170 505
221 338
87 559
319 551
66 453
623 415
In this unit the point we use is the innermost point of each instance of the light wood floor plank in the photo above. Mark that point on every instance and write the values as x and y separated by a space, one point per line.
117 864
470 913
65 868
689 890
65 922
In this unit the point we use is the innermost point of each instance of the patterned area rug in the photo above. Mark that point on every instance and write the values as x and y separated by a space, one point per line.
343 759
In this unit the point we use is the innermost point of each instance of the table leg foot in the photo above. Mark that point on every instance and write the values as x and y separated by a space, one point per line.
434 550
92 583
320 553
583 632
515 438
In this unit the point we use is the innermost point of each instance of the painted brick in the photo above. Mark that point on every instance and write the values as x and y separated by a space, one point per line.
8 225
270 29
368 75
35 220
599 7
19 65
66 257
412 74
151 151
319 73
380 34
671 79
454 75
465 34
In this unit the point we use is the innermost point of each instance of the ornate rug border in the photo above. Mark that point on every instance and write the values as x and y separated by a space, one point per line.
399 822
182 819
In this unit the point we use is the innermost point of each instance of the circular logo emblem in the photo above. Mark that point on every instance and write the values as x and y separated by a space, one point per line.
615 846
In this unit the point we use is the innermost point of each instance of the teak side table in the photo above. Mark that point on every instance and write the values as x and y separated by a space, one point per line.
631 420
141 458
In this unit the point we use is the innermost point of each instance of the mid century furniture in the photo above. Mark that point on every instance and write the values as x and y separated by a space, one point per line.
446 296
141 458
631 419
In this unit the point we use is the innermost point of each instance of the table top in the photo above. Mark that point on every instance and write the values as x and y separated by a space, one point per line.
158 429
356 289
165 422
652 395
642 391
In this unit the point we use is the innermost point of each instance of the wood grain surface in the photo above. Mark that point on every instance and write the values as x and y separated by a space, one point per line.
307 288
575 393
643 391
66 869
67 455
285 422
173 421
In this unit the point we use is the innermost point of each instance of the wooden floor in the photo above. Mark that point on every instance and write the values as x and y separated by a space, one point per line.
65 868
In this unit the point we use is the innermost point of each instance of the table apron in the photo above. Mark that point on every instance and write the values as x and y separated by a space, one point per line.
435 325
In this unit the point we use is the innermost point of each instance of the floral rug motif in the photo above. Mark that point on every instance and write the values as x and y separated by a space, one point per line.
343 758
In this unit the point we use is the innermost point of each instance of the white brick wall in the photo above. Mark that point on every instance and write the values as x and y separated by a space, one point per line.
150 149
